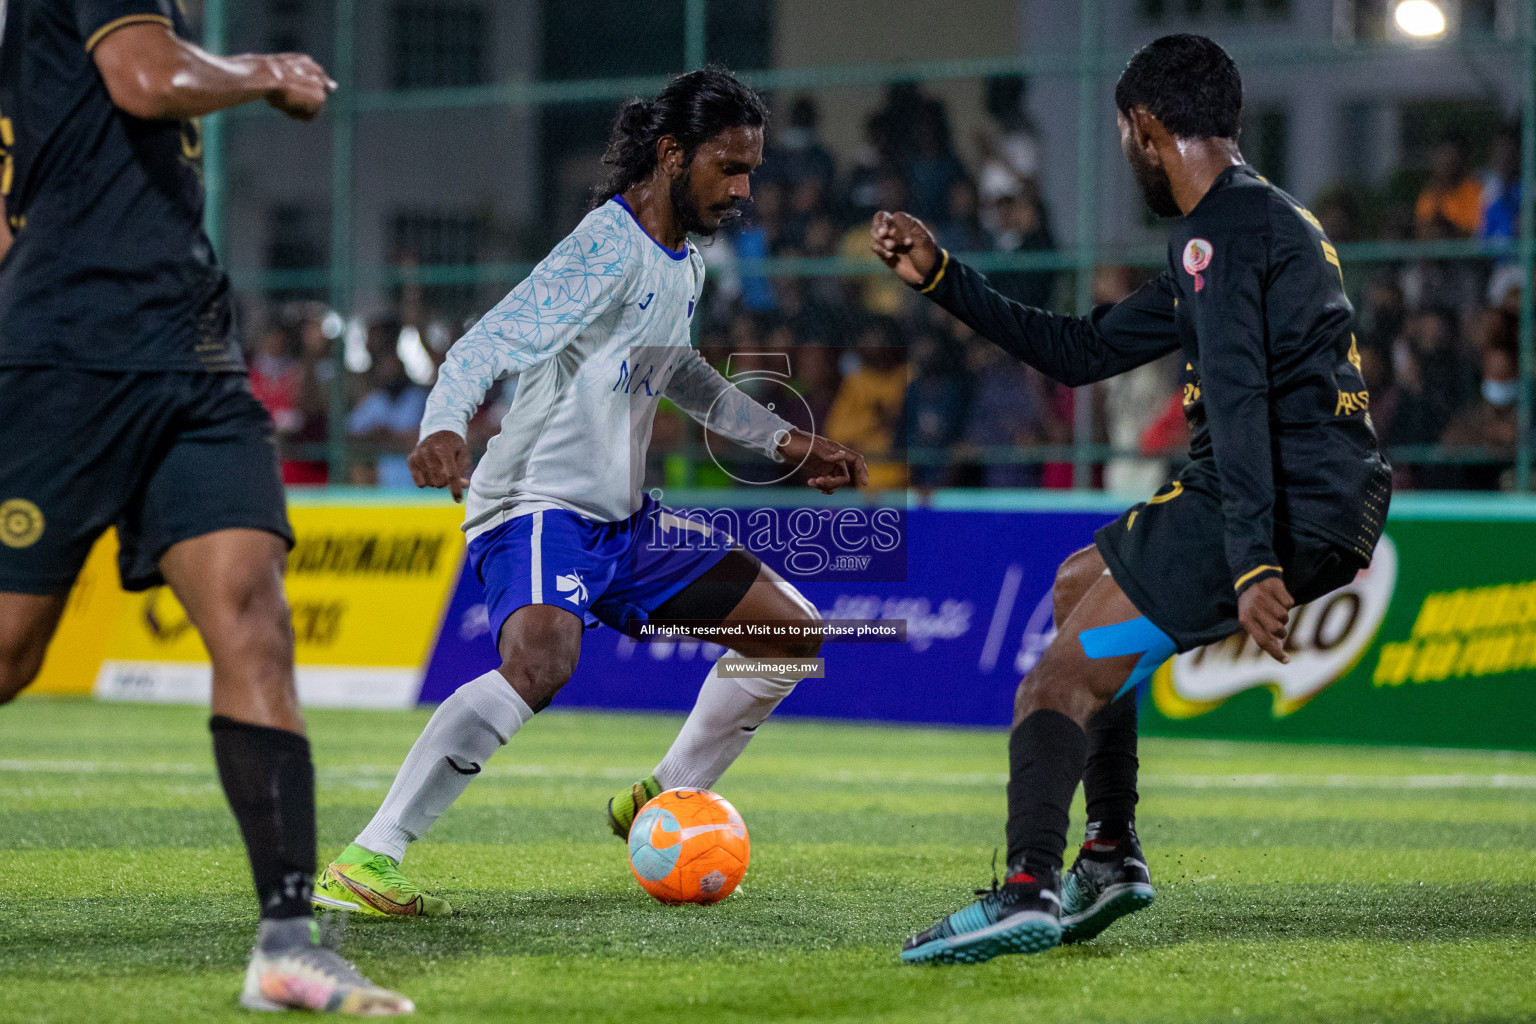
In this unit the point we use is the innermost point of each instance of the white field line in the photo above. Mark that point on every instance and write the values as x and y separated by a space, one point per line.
361 773
1277 781
382 774
1171 780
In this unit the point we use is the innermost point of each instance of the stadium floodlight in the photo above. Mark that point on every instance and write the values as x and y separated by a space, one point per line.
1420 19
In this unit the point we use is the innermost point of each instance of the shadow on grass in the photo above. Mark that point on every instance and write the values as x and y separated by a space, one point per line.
123 935
1410 912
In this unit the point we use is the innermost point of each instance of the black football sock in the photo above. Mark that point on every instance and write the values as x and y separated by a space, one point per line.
1109 780
270 783
1046 753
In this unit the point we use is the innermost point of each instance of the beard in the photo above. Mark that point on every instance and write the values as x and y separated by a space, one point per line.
1156 189
688 212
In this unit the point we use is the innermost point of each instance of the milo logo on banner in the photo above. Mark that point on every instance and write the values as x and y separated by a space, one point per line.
1328 638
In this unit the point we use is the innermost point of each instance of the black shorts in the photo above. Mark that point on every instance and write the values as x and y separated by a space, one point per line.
1168 554
710 599
164 457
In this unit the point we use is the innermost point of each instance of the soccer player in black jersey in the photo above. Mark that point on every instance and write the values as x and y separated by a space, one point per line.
126 404
1283 499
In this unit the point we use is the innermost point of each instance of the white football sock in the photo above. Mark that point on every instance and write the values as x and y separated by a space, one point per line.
467 728
721 724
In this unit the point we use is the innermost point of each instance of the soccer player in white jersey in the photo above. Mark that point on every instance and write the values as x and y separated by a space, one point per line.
559 531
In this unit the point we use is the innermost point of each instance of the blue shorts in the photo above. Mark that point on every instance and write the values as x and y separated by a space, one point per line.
614 573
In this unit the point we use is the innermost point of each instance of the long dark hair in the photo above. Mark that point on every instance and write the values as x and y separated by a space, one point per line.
693 108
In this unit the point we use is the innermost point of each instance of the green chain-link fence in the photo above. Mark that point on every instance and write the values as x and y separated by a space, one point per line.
689 34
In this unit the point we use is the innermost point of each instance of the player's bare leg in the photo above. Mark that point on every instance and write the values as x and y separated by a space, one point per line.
1078 675
1109 781
729 709
539 646
1067 680
27 623
231 583
1079 571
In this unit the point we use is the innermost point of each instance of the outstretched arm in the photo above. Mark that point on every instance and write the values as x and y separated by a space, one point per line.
151 72
1074 350
699 390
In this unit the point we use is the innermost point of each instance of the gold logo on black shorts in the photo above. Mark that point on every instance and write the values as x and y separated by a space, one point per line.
21 523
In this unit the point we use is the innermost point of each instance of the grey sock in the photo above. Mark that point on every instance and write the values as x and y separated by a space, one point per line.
275 935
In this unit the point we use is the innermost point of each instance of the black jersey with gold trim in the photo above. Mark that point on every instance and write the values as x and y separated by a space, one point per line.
1273 394
110 268
1273 391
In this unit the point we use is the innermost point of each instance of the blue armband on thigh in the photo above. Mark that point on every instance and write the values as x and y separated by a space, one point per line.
1138 636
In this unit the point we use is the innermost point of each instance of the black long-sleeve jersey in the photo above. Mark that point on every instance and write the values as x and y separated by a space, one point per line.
110 268
1276 405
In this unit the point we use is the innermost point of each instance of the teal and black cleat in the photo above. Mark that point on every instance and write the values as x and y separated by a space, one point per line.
1109 880
1023 915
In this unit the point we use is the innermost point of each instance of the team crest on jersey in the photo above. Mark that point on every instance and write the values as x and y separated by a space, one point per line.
21 523
1197 256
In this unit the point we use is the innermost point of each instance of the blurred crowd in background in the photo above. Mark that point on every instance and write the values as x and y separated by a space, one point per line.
928 402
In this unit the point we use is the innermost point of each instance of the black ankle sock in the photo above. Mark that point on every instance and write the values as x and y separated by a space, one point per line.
1046 752
1109 779
270 783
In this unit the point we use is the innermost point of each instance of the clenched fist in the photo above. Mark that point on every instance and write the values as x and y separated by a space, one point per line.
904 244
302 85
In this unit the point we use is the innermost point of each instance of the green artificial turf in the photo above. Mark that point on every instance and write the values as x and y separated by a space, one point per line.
1295 883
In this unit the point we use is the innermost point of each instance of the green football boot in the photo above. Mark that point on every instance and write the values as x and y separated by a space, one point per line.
365 882
627 803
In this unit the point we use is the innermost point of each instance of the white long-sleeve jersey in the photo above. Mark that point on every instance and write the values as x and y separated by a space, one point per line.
595 336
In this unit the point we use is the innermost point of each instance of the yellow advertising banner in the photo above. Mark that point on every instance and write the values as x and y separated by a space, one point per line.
367 586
